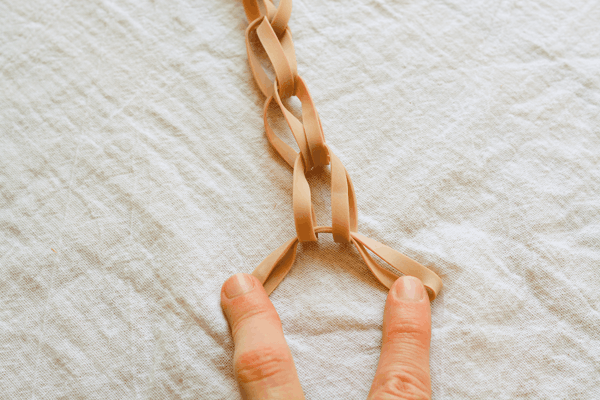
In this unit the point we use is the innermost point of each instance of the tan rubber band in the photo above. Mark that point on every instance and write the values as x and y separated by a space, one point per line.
283 71
279 16
260 76
276 39
297 129
252 10
271 9
340 202
313 131
282 16
288 49
284 150
302 204
401 263
275 267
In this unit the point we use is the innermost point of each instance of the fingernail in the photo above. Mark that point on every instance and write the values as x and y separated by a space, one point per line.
410 289
238 285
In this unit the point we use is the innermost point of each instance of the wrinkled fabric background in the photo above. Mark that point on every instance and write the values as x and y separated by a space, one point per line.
135 178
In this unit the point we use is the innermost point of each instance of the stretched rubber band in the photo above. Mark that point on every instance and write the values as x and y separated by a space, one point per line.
273 269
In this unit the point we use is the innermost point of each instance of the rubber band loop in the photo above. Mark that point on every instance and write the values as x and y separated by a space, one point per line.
297 129
340 204
282 148
283 71
276 38
282 17
274 268
260 76
304 216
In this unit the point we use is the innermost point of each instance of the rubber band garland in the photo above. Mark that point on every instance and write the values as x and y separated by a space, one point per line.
274 35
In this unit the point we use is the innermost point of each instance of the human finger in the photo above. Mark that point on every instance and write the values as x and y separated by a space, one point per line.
403 369
263 363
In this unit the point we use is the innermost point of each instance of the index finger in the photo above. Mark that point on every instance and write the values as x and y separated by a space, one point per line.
262 360
403 370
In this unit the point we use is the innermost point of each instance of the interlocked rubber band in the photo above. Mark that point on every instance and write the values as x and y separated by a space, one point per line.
276 39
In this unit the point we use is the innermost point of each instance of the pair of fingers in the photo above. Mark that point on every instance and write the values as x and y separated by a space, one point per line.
263 363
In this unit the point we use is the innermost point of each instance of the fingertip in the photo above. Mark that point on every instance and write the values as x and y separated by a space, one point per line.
242 297
407 320
408 288
406 339
238 284
407 304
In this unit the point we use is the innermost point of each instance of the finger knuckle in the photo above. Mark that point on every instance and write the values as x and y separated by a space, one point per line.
402 385
257 311
407 332
259 364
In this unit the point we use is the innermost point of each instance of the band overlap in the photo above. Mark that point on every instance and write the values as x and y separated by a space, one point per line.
270 26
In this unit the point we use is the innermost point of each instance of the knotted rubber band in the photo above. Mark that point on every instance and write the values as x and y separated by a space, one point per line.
276 38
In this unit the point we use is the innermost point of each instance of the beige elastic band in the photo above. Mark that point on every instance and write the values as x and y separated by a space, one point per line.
275 37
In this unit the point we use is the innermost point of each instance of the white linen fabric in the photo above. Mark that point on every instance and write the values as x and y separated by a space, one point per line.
135 178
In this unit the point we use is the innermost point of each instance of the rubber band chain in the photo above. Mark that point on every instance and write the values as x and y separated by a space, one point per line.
271 28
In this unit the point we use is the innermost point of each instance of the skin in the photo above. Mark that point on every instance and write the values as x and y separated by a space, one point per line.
263 364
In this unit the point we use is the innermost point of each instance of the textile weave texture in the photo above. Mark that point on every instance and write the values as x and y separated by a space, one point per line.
135 178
